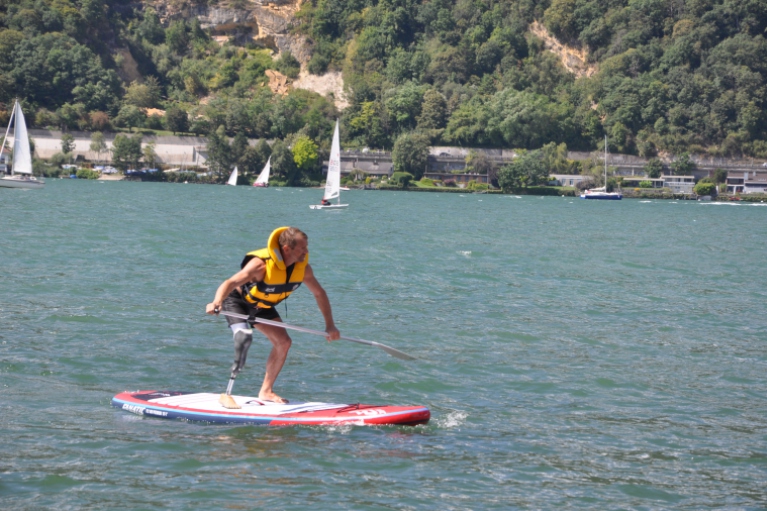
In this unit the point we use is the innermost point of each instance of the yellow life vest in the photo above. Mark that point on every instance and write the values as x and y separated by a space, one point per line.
279 281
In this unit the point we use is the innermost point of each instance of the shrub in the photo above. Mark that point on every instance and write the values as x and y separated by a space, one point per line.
87 174
645 184
704 188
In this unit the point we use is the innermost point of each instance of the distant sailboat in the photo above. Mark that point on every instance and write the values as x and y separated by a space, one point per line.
333 183
21 171
262 180
601 193
233 178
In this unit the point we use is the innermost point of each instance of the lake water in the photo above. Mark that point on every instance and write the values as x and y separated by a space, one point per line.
575 354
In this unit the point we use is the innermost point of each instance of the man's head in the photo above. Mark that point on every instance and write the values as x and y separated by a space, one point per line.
294 245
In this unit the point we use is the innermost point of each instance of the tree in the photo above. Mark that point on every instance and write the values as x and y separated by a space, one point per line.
126 151
219 151
129 116
525 170
283 164
98 144
67 143
653 168
433 111
402 179
150 157
410 154
683 165
704 187
143 95
478 162
305 153
176 119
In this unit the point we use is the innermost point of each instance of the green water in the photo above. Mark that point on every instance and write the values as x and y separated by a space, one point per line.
574 354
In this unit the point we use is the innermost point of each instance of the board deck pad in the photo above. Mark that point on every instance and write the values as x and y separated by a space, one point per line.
205 407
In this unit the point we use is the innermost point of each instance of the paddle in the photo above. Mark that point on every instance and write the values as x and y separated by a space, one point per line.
388 349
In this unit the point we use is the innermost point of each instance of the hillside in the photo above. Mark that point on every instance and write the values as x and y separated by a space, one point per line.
654 75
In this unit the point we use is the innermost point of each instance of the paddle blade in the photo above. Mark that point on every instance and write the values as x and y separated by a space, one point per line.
395 353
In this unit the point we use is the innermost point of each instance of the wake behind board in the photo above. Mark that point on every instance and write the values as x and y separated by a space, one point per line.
205 407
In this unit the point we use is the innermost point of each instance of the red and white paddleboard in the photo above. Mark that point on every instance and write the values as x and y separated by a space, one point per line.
205 407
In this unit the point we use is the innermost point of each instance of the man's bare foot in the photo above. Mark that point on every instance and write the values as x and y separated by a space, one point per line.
271 396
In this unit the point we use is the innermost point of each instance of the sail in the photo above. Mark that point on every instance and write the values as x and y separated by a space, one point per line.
263 177
233 178
333 183
22 159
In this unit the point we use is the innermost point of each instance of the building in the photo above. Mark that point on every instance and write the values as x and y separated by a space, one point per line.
679 184
633 182
567 179
749 181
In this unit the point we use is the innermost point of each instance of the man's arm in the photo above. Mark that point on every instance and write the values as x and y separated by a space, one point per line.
322 302
254 271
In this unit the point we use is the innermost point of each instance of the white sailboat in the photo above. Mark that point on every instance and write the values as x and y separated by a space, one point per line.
262 180
21 171
601 193
333 183
233 178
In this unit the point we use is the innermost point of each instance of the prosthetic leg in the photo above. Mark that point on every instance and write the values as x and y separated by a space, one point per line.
242 339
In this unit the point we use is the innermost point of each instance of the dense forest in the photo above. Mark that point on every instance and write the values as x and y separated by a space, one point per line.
671 75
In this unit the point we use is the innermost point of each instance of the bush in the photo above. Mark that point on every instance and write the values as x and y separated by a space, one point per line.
87 174
703 188
645 184
401 179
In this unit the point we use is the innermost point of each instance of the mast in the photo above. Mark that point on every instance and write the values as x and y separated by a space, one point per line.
605 163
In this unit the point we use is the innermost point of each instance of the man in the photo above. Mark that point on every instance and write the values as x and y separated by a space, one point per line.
267 277
325 202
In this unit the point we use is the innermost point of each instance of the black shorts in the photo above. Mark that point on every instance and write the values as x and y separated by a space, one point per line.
237 304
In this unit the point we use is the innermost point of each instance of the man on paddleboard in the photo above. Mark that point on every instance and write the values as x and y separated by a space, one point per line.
267 277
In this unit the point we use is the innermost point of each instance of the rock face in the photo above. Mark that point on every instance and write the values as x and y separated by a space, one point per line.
266 23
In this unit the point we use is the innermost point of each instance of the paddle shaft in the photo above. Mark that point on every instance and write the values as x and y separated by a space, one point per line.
279 324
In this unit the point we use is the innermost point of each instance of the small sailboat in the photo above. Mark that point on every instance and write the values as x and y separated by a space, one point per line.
601 193
233 178
21 171
262 180
333 183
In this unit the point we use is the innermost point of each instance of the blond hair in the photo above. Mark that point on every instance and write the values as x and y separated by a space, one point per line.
290 235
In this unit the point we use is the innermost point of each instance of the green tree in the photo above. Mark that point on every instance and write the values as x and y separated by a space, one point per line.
143 95
126 151
433 111
683 165
176 119
283 164
67 143
149 155
305 153
402 179
130 116
525 170
653 168
704 188
219 151
411 153
98 144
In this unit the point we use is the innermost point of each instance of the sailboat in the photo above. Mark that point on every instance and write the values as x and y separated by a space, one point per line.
21 171
333 183
262 180
233 178
601 193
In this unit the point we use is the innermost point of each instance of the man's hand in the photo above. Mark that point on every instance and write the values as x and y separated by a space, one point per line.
333 334
212 308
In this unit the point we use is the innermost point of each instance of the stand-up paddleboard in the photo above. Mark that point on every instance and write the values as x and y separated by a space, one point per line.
205 407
